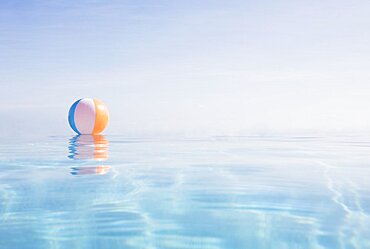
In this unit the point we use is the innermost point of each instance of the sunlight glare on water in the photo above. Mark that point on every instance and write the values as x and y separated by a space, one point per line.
218 192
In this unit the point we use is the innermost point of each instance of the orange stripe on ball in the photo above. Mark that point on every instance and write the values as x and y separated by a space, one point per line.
101 117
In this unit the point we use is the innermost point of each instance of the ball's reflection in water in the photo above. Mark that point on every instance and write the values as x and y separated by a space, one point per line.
89 148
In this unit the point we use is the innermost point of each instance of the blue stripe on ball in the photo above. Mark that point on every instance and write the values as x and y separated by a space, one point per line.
71 116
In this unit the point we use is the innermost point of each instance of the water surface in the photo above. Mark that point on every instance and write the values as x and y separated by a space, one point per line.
218 192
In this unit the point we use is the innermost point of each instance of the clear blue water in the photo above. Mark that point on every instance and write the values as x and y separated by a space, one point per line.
219 192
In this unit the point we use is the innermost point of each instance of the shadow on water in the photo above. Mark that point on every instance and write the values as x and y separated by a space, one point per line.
89 148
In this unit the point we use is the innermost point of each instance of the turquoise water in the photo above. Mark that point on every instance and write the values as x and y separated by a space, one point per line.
219 192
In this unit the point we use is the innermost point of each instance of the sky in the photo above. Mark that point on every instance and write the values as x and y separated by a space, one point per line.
230 67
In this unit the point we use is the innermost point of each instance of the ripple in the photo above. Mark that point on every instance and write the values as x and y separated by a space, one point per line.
219 192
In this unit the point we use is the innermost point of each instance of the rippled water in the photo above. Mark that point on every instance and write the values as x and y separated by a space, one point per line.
219 192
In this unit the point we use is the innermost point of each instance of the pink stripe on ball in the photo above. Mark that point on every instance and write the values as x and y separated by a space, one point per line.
85 116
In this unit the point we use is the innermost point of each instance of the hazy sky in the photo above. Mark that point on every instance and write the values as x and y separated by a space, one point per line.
187 67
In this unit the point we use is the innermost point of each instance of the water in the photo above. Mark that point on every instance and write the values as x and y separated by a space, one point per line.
219 192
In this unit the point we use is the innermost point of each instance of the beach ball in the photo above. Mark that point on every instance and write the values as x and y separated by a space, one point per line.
88 116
